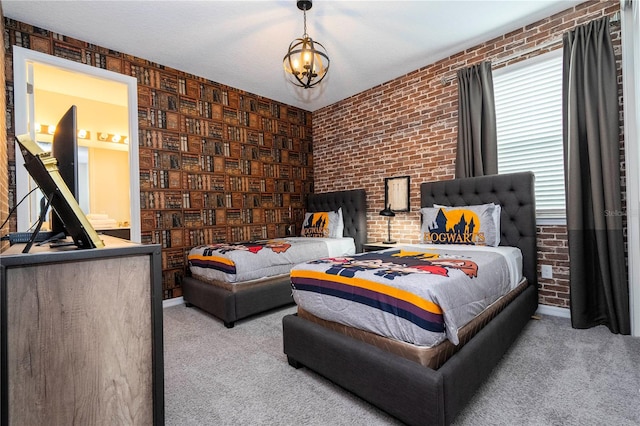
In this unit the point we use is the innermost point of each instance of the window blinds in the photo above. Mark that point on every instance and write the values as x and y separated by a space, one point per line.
528 98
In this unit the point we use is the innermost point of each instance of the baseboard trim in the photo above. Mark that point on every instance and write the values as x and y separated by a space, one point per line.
172 302
553 311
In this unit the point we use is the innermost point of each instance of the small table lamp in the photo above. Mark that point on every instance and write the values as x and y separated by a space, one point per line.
388 213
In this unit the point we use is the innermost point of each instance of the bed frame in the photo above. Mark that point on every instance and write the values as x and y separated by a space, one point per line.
415 394
231 306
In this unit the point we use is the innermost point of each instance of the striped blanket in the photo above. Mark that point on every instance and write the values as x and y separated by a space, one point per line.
414 294
236 262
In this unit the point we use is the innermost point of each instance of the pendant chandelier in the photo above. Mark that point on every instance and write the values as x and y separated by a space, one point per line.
306 63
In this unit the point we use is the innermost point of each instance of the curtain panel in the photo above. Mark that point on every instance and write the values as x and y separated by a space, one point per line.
477 150
598 281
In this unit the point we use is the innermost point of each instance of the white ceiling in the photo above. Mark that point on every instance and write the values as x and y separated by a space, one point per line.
242 43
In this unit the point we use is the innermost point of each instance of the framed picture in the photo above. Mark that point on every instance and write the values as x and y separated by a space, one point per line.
396 193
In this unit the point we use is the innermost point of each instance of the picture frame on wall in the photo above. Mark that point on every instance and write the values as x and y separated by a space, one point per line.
396 193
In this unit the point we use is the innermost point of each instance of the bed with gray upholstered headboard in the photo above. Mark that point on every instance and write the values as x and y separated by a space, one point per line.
412 392
230 305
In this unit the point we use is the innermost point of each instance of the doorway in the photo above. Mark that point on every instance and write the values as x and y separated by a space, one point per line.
45 87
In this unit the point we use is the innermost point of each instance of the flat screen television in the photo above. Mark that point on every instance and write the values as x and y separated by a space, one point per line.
65 150
43 168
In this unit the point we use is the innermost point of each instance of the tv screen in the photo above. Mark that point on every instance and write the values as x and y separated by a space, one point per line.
65 150
43 168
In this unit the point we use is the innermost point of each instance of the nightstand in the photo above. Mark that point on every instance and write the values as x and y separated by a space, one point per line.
378 245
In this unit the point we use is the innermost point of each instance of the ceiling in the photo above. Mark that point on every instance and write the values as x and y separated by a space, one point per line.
242 43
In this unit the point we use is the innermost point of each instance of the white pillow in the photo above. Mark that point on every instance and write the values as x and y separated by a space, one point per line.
496 215
340 227
473 225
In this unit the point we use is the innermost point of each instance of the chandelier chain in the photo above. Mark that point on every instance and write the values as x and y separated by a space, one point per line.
304 12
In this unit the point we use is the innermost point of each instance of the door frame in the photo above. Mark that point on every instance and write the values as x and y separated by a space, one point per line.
22 58
630 22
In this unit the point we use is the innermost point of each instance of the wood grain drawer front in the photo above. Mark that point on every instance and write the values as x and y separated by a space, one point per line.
80 342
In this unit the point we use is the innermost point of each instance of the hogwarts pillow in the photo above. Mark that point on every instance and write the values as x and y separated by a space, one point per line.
323 224
473 225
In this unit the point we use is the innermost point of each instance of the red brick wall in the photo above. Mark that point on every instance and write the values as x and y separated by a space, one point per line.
553 249
4 173
407 126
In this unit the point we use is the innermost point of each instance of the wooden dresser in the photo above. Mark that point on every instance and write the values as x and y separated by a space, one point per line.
81 335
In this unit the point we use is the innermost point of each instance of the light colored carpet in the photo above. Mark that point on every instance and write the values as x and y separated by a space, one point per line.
553 375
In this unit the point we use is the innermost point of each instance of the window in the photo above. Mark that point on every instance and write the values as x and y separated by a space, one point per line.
528 98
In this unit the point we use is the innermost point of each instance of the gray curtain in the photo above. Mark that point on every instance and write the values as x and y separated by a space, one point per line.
477 151
598 281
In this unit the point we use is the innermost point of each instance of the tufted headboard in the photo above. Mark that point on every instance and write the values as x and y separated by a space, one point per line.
514 192
354 211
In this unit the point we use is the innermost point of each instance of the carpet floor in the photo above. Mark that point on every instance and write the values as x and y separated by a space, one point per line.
552 375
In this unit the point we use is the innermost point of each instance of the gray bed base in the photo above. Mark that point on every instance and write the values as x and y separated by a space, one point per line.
412 393
232 306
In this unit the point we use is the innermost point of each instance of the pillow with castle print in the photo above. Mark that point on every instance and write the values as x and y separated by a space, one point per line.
322 224
470 225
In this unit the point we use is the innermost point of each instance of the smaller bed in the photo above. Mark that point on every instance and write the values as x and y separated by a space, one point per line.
231 301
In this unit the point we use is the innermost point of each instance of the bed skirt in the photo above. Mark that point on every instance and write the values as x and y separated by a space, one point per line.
432 357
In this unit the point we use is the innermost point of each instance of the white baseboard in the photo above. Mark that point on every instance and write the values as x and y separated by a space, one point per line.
554 311
172 302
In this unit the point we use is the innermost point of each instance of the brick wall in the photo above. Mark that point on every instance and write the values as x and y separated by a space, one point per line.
4 175
553 250
407 126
